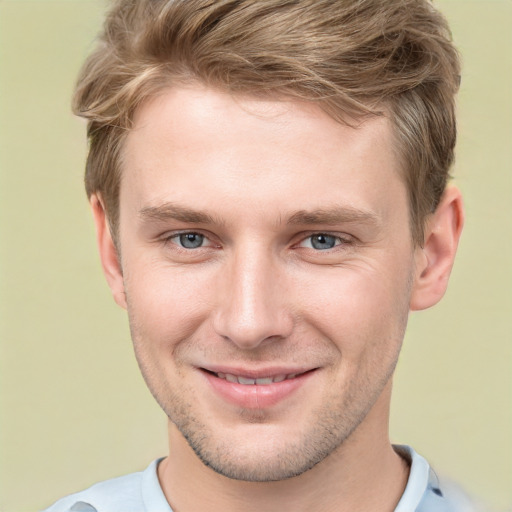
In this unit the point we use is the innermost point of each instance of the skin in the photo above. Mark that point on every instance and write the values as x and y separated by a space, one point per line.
257 184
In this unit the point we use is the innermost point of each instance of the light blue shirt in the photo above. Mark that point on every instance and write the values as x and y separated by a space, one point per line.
141 492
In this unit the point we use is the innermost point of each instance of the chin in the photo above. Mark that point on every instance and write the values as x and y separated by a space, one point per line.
279 466
262 453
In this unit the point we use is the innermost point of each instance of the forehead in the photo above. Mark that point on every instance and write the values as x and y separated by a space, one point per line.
280 154
197 109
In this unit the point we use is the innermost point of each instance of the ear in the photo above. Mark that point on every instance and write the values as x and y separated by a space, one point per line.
108 252
434 260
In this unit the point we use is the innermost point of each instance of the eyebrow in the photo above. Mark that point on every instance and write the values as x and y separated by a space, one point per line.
333 216
172 211
327 216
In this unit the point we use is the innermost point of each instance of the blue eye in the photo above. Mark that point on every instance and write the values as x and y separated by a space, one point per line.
321 241
191 240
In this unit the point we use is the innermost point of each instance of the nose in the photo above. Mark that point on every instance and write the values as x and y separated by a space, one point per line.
251 307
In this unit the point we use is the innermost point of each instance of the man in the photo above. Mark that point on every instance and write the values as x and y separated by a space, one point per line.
268 181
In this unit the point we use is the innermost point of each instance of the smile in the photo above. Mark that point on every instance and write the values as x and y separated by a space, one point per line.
247 381
260 390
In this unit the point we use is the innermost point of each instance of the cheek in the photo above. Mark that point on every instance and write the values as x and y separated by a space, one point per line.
166 304
166 310
363 309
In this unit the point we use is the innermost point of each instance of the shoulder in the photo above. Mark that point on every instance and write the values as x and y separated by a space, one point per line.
122 493
445 496
128 493
425 492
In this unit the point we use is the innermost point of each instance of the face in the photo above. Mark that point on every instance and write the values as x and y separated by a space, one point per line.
267 265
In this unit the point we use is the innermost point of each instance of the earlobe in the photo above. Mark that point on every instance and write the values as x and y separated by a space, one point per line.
108 252
434 260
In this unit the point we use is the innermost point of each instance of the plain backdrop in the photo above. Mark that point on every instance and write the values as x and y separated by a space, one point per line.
73 407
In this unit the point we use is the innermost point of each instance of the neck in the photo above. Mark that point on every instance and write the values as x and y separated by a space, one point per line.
364 473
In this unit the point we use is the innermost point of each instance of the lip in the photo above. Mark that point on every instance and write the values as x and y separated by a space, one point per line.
256 396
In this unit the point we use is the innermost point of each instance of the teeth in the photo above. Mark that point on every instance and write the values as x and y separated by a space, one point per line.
264 381
243 380
247 381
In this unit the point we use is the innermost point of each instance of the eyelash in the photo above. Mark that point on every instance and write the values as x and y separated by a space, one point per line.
339 240
172 237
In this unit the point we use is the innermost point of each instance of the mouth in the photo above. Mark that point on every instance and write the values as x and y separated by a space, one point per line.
259 389
260 381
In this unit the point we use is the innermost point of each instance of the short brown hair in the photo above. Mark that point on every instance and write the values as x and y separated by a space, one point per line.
355 58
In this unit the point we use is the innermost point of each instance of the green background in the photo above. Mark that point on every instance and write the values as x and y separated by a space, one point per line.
73 407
